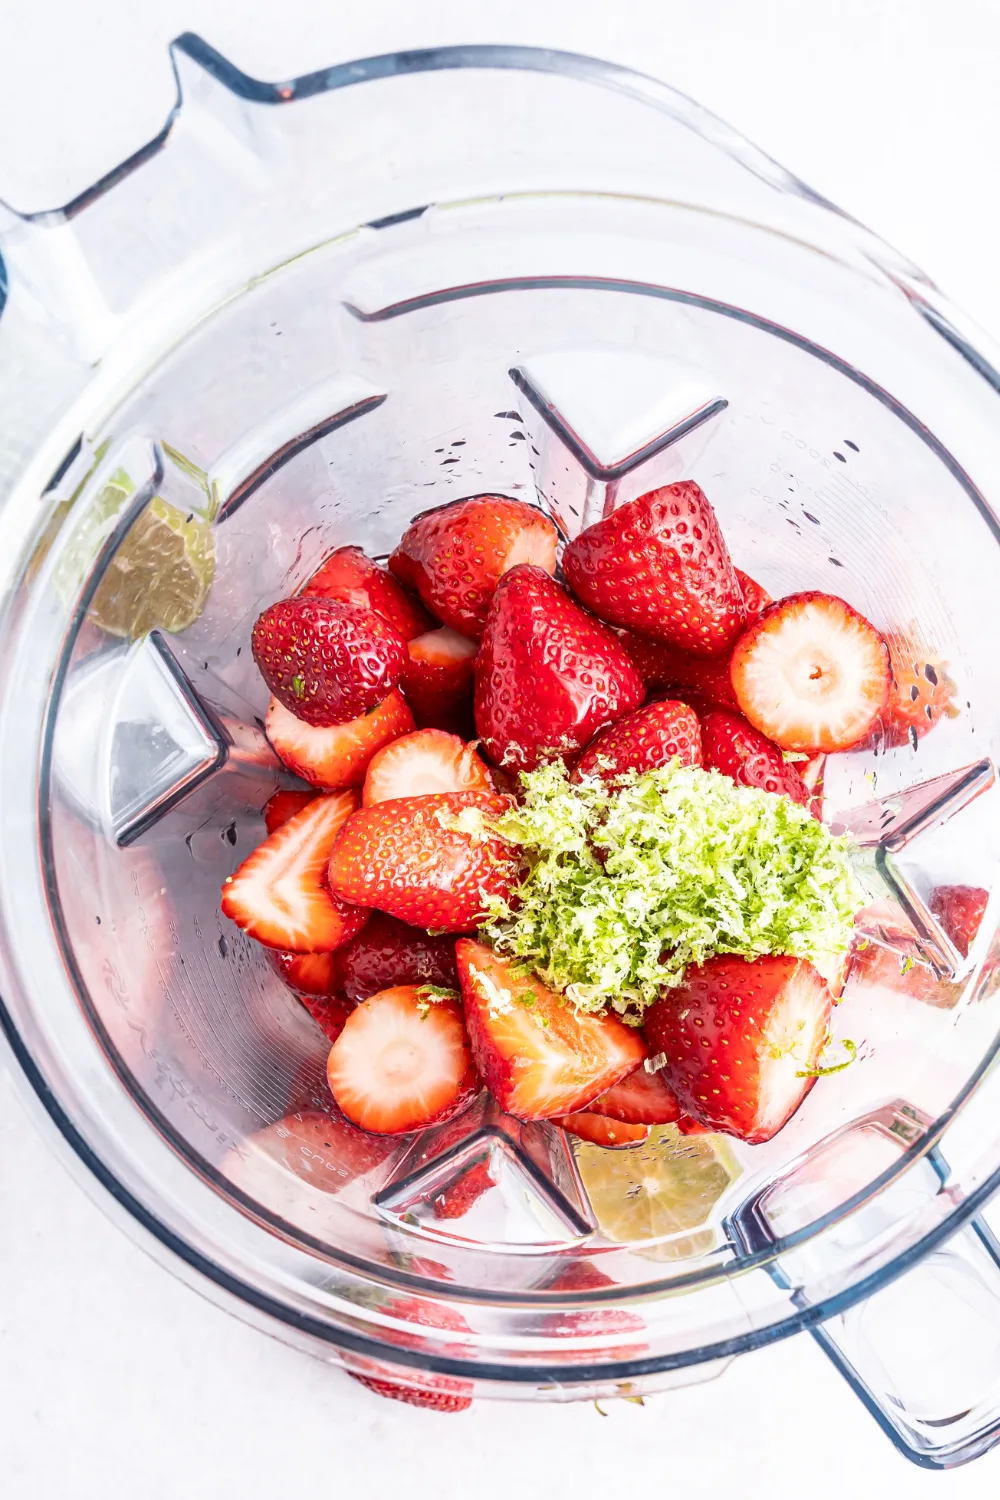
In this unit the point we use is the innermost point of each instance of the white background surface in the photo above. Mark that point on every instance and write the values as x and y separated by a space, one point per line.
114 1379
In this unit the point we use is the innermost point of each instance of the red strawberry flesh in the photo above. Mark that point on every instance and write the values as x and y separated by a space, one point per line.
599 1130
960 910
739 751
438 681
640 1099
459 1196
351 577
284 805
327 662
662 666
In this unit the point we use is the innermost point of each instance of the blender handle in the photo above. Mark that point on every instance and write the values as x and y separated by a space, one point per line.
923 1352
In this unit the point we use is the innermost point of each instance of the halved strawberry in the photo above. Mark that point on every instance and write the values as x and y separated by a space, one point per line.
755 598
279 894
330 1012
660 666
284 805
537 1055
352 578
402 1062
387 952
548 675
921 692
308 973
430 861
640 1099
652 736
338 754
459 1196
455 557
438 681
960 910
742 1040
418 764
659 565
735 748
811 673
327 662
601 1131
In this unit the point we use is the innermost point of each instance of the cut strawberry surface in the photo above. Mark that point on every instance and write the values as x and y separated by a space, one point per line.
599 1130
422 763
309 973
659 565
731 745
548 675
960 910
755 598
459 1196
455 557
284 805
920 695
742 1040
279 895
387 952
640 1099
402 1062
660 666
535 1053
327 662
335 755
653 736
351 577
811 673
431 861
438 681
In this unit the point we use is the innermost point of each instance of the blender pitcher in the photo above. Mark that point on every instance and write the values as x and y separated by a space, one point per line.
299 316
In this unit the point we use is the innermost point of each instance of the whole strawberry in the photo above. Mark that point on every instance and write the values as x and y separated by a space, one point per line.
659 565
734 747
548 675
327 662
652 736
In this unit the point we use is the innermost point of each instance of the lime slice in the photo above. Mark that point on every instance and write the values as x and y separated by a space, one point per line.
160 576
668 1186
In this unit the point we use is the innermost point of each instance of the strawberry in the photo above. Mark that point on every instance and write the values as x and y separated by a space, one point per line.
593 1319
430 861
742 1039
746 756
321 1147
659 565
307 973
601 1131
455 557
813 773
284 805
386 952
330 1012
811 673
438 681
548 675
640 1099
451 1395
327 662
920 694
338 754
537 1055
652 736
660 666
459 1196
755 598
350 577
440 1392
402 1062
418 764
687 1125
960 910
279 894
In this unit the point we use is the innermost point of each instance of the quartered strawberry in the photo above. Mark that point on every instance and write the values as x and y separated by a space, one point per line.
327 662
284 805
652 736
535 1053
308 973
421 763
352 578
734 747
660 666
438 681
599 1130
459 1196
755 598
439 1392
455 557
920 694
659 565
338 754
960 910
279 895
811 673
386 953
640 1099
742 1040
330 1012
402 1062
548 675
430 861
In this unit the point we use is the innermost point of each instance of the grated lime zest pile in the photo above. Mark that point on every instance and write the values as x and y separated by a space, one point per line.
627 887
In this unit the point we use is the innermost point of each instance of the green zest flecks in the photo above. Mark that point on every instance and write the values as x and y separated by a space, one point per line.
625 888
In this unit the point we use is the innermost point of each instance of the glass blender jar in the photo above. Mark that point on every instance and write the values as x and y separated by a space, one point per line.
302 314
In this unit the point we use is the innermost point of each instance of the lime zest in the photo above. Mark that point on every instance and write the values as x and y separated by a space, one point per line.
823 1071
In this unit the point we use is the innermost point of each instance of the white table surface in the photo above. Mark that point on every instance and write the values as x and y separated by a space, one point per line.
115 1380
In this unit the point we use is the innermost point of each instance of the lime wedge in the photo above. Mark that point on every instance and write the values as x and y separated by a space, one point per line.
160 576
668 1186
